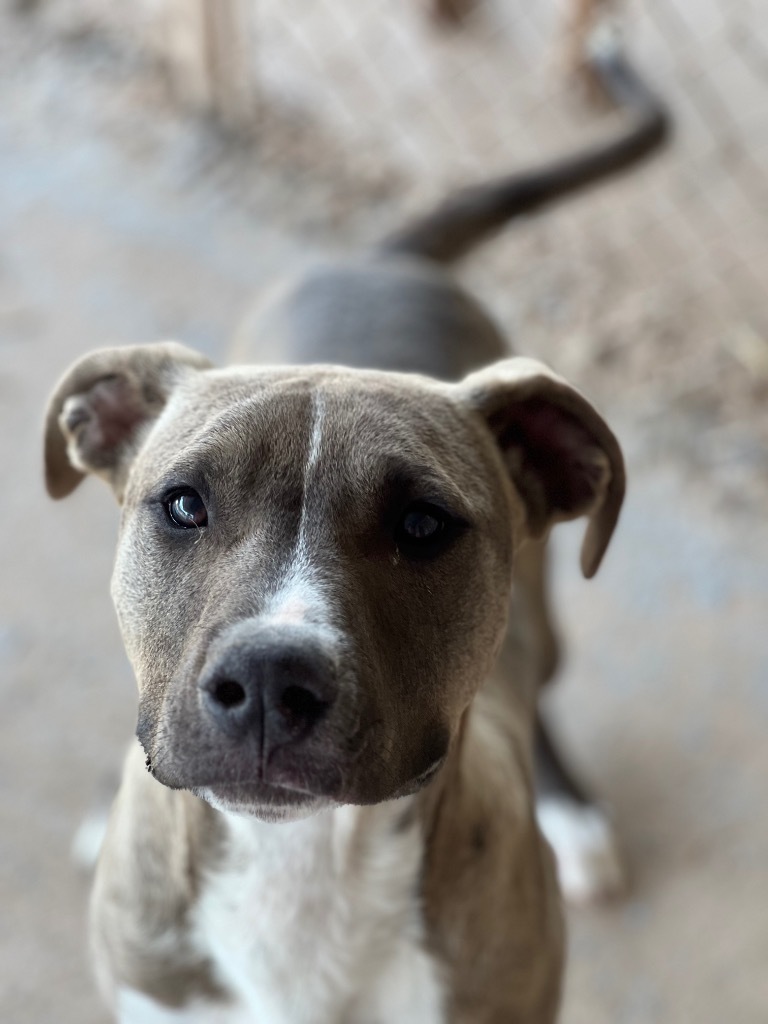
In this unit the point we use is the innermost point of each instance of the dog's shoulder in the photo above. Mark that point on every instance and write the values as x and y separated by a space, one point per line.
158 845
490 892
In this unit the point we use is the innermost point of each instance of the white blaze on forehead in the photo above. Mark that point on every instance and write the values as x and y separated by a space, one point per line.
301 558
318 414
302 595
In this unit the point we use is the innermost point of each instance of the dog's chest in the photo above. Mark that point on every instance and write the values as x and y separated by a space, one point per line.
318 921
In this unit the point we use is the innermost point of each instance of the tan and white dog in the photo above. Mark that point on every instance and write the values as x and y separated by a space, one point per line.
329 580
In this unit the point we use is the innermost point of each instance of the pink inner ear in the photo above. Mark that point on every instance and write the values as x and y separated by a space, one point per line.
555 450
117 408
101 419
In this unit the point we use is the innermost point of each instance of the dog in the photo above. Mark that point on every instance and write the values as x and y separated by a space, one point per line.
329 580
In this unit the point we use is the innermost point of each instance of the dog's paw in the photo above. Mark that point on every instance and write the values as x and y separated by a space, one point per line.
589 864
88 840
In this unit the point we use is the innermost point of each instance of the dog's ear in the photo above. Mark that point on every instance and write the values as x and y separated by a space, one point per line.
561 456
98 413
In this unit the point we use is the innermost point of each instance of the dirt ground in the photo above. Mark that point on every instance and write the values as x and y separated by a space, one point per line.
122 221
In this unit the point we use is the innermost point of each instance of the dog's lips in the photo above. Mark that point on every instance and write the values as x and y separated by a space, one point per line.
288 777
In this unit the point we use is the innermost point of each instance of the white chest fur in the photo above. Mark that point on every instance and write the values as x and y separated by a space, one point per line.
318 921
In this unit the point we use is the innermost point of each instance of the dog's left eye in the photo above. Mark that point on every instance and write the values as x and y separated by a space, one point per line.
422 528
186 510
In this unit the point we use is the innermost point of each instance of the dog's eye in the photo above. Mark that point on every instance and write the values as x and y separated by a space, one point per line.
186 510
421 529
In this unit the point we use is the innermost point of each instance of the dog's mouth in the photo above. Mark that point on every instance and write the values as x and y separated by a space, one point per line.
293 780
289 778
294 797
321 770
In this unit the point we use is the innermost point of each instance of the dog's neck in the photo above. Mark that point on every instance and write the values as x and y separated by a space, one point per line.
311 919
335 840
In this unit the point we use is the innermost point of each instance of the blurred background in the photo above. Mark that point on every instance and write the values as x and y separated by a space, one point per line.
162 160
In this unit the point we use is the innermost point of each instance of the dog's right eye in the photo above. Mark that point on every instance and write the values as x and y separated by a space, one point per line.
186 510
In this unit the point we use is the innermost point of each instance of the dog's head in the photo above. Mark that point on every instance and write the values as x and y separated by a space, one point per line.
314 563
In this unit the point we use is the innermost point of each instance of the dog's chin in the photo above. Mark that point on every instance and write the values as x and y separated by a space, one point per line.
273 805
285 805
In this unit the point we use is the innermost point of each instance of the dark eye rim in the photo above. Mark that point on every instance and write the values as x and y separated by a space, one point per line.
416 548
173 495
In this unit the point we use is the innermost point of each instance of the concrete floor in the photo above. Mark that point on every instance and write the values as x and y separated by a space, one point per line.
666 701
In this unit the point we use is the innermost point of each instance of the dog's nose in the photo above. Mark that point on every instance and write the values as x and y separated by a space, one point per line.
278 690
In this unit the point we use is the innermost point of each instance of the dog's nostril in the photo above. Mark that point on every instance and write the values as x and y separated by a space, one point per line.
300 706
228 693
271 692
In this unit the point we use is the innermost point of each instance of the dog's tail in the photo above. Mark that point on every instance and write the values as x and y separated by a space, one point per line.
470 216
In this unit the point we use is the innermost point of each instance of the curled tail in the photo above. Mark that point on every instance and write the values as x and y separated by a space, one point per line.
470 216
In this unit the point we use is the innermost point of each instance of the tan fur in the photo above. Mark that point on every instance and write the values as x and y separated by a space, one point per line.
489 889
152 864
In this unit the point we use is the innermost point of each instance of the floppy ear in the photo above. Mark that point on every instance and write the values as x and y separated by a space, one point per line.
100 409
561 456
